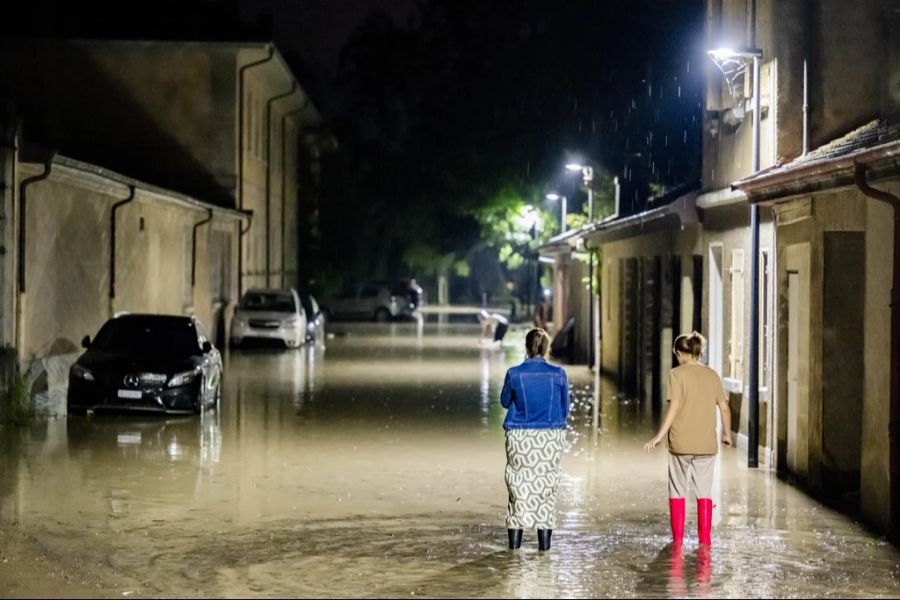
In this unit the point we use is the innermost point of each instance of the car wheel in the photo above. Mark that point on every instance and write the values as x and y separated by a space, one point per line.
382 315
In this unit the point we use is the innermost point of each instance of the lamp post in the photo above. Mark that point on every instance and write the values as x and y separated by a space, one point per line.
562 219
587 177
731 62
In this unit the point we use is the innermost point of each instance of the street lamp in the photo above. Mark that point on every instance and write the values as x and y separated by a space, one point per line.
732 63
555 196
587 176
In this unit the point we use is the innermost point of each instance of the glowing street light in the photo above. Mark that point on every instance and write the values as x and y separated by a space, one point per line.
732 63
555 196
587 176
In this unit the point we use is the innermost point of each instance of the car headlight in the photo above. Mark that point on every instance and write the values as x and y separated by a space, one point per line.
237 322
82 373
184 378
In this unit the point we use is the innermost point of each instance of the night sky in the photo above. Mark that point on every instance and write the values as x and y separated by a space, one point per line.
441 107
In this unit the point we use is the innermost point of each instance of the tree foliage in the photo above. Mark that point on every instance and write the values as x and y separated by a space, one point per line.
456 121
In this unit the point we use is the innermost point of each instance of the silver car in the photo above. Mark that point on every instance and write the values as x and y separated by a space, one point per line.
378 300
267 315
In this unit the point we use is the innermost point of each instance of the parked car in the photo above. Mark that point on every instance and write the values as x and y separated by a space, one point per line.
149 363
381 300
315 318
270 315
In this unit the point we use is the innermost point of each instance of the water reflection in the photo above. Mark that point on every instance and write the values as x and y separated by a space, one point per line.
375 468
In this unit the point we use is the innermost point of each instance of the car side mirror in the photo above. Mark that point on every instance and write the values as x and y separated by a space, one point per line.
207 347
86 341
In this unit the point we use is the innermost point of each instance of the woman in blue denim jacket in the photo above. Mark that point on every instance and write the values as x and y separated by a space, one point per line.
537 396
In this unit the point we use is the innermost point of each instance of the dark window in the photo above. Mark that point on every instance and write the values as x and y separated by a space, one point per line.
148 335
368 292
268 301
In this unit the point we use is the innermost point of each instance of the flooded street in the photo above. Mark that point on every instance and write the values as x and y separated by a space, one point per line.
375 468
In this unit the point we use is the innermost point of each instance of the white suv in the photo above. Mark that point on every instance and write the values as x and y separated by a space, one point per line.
267 314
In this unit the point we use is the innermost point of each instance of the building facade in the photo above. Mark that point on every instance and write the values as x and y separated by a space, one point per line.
828 111
145 177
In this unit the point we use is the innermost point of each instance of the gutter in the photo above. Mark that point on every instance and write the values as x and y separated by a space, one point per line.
23 212
685 208
284 119
821 169
112 244
269 104
240 142
209 217
894 401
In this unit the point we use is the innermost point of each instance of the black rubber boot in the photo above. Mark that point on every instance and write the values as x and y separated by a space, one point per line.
544 538
515 538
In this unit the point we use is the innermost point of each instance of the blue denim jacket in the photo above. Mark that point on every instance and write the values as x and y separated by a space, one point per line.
537 396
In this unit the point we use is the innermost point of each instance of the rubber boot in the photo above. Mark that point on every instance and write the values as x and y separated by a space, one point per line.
704 520
515 538
676 514
544 538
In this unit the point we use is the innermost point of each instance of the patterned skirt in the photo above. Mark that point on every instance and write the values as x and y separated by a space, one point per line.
532 476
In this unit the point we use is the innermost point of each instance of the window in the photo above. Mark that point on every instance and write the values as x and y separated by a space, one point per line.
368 291
736 343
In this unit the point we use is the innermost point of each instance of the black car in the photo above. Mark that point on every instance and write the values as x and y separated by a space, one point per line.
148 363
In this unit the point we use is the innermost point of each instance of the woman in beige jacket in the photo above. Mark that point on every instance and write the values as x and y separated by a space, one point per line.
694 392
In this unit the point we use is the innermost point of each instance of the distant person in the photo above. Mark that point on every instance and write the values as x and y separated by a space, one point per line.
415 293
540 315
537 396
493 326
694 392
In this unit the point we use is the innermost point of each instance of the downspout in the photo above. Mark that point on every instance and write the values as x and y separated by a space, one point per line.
23 212
240 140
197 225
269 104
112 245
894 415
284 119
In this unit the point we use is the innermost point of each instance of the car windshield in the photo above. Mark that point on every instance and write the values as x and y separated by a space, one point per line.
268 301
172 336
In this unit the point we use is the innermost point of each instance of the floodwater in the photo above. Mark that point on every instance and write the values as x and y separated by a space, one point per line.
375 468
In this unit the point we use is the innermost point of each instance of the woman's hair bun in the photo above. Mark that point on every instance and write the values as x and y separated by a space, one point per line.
691 343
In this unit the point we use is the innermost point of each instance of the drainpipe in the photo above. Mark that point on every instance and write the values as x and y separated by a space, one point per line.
23 212
805 108
208 218
894 418
240 140
269 104
112 245
284 119
241 233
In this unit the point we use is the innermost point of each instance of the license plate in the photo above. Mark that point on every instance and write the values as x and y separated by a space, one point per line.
131 394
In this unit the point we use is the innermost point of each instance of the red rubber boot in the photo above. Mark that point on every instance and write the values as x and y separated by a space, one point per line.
704 520
676 514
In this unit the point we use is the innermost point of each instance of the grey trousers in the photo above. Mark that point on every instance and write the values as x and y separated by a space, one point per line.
691 470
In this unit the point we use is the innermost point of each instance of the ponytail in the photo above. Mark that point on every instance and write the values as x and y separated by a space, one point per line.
537 343
692 343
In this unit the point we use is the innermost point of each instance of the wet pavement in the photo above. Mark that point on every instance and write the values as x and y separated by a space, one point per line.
375 468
